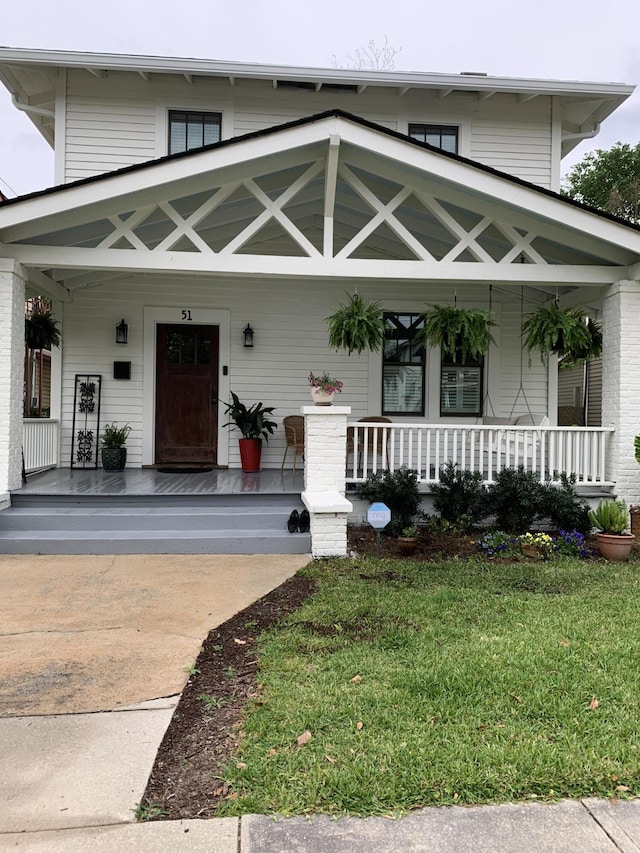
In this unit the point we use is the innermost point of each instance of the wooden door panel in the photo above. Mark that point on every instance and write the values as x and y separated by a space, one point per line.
186 393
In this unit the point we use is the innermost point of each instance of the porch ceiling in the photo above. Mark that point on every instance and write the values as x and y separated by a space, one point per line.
329 197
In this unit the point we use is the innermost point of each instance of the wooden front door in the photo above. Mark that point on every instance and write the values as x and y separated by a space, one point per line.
186 394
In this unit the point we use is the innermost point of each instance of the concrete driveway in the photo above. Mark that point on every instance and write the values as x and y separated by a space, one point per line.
83 634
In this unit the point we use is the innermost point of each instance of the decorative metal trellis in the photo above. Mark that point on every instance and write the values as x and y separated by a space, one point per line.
86 420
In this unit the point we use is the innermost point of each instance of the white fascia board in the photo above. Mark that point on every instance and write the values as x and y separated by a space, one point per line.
259 71
261 266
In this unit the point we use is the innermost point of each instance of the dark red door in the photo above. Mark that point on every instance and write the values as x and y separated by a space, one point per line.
186 393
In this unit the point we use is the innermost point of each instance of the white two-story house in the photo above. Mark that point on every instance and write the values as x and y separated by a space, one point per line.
196 198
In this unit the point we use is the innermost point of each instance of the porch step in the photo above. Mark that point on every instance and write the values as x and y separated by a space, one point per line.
151 525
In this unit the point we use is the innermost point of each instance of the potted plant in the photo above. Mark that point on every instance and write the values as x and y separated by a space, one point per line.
323 388
359 325
408 540
611 520
463 332
568 332
537 545
254 425
113 451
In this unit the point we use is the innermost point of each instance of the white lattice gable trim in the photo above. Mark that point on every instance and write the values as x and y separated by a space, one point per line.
329 202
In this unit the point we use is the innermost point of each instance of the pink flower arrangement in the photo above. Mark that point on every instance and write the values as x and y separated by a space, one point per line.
325 382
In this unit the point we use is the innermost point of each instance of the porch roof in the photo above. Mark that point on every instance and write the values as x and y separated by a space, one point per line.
327 196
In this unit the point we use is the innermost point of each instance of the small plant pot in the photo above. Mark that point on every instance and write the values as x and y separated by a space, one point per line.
114 458
321 398
407 545
615 548
533 551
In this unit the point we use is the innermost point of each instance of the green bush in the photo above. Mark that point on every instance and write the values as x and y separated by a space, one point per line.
460 497
516 498
564 508
399 491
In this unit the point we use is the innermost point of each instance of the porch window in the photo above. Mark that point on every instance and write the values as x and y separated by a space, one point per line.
188 129
403 366
439 135
461 386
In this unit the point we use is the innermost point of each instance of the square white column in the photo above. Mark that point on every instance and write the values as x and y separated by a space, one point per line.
12 294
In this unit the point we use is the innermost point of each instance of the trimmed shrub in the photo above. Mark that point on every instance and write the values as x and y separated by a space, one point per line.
564 507
460 497
399 491
516 498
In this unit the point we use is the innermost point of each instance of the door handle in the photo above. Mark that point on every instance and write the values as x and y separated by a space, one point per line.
214 397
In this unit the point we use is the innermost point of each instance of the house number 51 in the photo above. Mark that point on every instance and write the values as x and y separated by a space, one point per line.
186 315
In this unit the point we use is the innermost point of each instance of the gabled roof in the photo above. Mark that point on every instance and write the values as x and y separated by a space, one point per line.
327 196
30 75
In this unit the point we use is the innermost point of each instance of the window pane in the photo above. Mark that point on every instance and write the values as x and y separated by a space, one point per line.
440 136
461 390
403 366
188 130
403 389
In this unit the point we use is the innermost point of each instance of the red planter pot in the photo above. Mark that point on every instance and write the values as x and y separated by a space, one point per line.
250 453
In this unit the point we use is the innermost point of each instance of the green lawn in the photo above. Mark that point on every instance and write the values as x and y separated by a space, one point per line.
456 682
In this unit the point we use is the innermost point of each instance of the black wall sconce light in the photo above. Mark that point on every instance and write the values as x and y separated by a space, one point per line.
122 332
248 335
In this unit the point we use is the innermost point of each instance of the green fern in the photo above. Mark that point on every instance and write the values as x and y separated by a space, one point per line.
636 446
463 332
564 331
359 325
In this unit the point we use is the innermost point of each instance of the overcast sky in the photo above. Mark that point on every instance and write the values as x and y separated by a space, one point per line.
559 39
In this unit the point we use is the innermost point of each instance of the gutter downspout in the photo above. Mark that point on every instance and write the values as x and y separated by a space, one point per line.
27 108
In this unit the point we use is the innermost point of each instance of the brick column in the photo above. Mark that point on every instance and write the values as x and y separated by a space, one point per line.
325 461
621 385
12 284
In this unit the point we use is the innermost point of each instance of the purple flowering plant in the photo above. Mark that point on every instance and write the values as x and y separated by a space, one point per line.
571 543
327 383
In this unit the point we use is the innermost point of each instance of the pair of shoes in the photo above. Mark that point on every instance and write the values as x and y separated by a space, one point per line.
299 522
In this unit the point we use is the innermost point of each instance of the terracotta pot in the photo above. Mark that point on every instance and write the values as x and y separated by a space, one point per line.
407 544
250 453
321 398
615 547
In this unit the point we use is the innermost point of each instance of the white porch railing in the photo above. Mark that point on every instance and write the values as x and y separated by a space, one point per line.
39 443
426 448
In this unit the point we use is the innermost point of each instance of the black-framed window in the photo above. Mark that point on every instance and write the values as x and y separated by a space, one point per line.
461 386
189 129
439 135
403 369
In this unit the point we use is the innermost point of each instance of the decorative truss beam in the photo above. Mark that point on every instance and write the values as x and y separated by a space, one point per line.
133 260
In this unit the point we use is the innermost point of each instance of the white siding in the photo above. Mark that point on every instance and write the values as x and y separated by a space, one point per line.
121 119
290 340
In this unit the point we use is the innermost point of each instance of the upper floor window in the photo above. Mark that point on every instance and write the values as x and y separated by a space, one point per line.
403 366
189 129
439 135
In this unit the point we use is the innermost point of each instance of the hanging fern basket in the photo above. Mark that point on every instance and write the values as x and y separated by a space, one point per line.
567 332
462 333
41 331
357 325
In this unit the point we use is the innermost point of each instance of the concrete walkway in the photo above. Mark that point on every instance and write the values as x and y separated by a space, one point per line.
92 657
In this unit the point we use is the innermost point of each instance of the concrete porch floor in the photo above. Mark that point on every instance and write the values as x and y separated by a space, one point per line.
148 481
